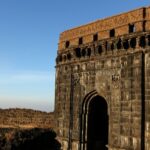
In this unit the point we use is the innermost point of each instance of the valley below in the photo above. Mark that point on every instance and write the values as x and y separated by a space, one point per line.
27 129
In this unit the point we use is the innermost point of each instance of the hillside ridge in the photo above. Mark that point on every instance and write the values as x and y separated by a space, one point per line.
25 118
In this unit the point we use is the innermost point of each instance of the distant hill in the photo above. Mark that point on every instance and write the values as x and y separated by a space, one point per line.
25 118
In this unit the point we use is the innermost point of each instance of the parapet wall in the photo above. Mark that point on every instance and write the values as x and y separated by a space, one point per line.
140 18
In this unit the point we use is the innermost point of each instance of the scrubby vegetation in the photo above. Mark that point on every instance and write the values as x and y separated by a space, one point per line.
28 139
25 118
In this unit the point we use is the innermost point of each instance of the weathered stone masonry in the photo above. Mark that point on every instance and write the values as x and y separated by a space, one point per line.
103 84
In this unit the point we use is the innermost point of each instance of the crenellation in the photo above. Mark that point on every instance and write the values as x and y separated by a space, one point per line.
147 16
104 24
103 27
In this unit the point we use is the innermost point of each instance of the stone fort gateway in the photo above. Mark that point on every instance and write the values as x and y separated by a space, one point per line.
103 84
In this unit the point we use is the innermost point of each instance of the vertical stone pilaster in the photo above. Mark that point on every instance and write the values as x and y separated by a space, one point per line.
147 101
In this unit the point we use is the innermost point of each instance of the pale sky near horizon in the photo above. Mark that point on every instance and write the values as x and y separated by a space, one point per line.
29 33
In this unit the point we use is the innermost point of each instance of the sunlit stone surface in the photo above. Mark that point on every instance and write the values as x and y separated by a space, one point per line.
103 84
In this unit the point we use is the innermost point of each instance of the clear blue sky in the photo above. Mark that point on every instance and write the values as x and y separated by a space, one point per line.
29 32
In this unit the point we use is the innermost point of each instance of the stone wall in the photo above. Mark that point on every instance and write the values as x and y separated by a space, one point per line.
102 27
147 101
115 68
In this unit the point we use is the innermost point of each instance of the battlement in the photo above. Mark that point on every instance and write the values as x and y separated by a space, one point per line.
134 21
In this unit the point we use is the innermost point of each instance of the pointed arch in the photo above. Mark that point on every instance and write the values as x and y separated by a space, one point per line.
94 113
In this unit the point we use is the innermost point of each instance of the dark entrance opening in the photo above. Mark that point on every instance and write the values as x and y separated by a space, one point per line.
97 130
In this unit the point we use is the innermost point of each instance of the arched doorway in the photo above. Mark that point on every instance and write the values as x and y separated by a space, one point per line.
97 124
94 123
